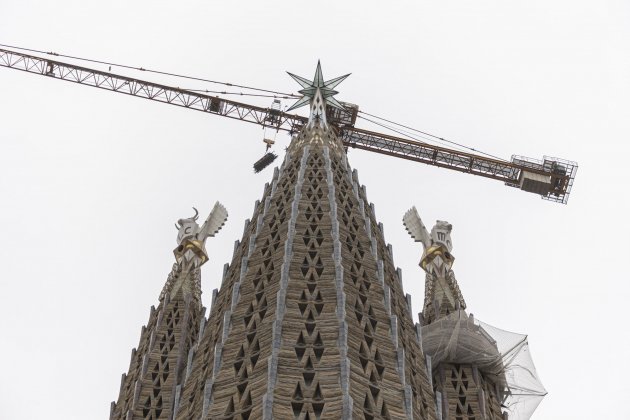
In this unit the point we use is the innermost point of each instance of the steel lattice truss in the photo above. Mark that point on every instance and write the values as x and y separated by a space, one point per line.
559 174
432 155
147 90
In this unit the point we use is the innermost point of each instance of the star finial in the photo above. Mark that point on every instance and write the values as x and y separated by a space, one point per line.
317 89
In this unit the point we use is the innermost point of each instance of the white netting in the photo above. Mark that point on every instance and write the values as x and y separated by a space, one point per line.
501 356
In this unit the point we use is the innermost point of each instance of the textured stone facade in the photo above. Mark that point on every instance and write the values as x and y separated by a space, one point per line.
310 322
151 388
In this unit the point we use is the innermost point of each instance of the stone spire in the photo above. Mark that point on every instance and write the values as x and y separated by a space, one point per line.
151 387
466 384
310 321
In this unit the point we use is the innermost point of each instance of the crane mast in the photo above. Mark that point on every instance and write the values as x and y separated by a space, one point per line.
551 178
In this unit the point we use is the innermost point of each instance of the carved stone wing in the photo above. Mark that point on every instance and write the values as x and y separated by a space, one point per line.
416 228
214 222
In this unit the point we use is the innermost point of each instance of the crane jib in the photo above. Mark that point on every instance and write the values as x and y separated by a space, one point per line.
552 178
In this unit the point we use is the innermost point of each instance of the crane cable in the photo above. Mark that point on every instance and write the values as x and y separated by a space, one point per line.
435 138
420 139
292 95
274 94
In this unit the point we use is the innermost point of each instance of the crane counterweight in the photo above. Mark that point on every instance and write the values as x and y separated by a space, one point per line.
552 178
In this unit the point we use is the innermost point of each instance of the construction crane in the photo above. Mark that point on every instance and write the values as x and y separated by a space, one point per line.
551 178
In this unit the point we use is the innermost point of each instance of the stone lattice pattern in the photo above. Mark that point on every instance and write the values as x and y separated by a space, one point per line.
150 390
469 396
442 296
311 321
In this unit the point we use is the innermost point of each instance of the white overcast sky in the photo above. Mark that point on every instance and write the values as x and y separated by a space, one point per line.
92 181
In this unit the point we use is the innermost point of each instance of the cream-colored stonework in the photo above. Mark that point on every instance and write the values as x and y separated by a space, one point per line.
310 321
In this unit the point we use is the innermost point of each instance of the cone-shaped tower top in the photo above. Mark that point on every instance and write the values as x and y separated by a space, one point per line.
478 371
311 321
318 93
149 389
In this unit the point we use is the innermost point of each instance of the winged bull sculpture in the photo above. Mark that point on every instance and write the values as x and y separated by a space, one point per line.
191 238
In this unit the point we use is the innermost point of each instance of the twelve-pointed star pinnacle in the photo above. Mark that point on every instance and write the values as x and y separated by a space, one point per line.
318 83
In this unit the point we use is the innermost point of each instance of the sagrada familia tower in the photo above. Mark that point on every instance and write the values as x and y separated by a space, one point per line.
311 320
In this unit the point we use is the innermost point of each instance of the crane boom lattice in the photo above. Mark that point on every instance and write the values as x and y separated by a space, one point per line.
552 178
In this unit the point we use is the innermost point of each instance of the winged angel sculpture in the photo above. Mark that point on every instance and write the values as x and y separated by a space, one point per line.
436 244
436 260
